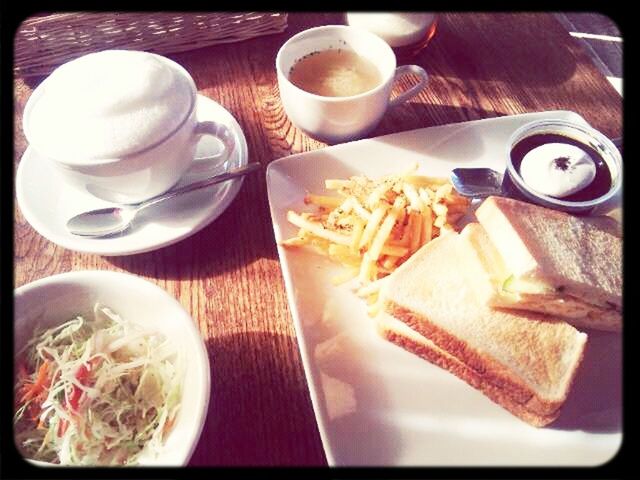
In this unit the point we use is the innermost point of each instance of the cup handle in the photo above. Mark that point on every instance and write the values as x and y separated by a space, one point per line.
224 135
413 91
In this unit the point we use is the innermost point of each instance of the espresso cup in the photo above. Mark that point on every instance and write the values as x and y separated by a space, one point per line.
335 119
120 125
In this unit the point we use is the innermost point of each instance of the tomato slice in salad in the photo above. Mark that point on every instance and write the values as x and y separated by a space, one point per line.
83 376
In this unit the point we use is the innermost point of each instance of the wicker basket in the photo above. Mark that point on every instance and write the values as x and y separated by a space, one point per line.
46 41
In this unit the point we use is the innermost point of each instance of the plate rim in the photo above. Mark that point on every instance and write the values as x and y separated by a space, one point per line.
568 113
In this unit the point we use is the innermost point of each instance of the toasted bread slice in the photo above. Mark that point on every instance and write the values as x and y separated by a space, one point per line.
402 335
554 253
500 288
528 357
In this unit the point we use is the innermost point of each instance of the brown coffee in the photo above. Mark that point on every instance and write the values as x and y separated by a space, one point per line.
335 73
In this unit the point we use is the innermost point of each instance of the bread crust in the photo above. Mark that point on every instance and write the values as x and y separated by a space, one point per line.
492 373
472 377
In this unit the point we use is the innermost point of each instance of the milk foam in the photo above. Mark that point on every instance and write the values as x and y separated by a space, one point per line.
108 104
397 29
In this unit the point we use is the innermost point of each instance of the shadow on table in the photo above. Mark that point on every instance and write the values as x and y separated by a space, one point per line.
242 234
417 114
259 411
485 54
595 401
33 81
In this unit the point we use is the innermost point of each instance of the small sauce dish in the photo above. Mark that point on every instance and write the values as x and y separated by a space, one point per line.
563 165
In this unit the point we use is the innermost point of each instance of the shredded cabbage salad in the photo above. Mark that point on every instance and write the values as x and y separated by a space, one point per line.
95 392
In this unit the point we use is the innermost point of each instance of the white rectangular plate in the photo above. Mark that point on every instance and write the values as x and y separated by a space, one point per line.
378 405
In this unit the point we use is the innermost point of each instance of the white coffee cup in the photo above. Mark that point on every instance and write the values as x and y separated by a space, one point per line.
339 119
120 124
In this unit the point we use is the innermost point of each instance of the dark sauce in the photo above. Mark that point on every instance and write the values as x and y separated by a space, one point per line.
600 185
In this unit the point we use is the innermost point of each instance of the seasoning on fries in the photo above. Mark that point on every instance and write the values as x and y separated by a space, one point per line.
372 227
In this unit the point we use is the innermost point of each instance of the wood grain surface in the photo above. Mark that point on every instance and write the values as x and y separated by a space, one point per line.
228 275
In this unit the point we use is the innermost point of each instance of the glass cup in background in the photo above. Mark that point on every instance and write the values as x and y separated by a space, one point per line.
406 33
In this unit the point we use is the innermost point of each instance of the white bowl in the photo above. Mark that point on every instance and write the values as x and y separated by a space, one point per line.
58 298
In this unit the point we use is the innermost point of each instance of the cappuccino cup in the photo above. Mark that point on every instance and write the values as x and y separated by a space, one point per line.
120 124
320 71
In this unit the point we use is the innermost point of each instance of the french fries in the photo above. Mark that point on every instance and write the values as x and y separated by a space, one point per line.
372 227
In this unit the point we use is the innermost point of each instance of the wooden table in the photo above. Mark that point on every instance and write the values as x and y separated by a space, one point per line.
228 275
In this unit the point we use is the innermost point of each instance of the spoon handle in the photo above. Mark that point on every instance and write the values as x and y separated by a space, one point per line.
477 182
223 177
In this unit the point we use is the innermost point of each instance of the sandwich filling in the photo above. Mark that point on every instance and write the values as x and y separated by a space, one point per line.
501 288
522 293
546 261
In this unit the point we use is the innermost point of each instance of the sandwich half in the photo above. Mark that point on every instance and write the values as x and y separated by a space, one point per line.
523 361
547 261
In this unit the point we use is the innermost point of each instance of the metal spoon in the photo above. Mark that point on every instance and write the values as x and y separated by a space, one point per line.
112 220
484 182
477 182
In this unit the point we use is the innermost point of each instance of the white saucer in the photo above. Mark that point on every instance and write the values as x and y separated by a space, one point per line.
47 205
